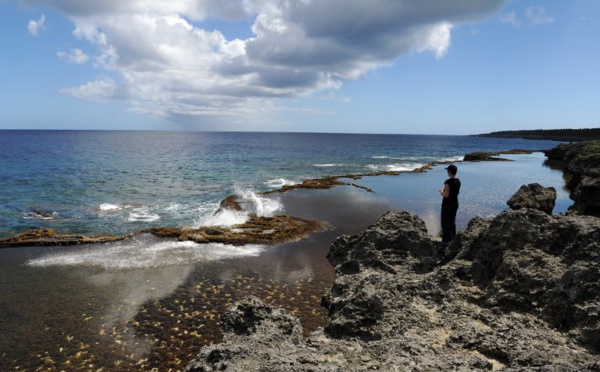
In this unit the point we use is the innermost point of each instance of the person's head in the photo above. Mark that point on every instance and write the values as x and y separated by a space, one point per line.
452 169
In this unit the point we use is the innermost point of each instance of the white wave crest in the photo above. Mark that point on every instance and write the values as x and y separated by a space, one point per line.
329 165
261 205
108 207
403 167
223 218
279 182
400 167
144 252
142 214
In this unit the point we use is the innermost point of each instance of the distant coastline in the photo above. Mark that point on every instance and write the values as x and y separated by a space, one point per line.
566 135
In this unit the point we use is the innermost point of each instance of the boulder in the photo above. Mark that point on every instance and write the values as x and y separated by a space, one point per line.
534 196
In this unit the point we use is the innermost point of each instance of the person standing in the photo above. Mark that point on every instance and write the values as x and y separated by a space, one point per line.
450 204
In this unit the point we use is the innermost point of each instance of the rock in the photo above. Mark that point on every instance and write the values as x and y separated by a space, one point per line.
251 316
520 291
493 156
257 230
483 156
534 196
583 165
556 153
255 336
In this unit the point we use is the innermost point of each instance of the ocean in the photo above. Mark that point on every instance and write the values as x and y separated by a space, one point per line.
94 182
148 303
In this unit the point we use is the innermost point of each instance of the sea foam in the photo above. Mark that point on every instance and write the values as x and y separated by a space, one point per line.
145 251
251 201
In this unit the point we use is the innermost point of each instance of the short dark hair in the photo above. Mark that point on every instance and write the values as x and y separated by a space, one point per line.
452 169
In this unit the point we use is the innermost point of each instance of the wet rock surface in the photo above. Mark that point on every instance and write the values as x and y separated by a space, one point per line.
520 291
257 230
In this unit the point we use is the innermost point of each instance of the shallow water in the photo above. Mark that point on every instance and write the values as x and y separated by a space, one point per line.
152 303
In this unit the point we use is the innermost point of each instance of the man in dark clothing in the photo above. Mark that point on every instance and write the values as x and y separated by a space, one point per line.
450 204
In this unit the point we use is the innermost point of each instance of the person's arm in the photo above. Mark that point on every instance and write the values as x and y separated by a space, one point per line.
445 192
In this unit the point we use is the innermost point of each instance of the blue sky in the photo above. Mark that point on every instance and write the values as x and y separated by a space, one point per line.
383 66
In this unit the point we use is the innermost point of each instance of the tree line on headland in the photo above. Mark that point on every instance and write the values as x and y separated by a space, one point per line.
585 134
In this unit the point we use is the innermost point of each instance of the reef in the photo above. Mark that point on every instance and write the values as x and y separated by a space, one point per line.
257 230
519 291
493 156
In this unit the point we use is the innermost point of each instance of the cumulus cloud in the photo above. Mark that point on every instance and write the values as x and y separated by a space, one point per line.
34 27
169 65
99 90
76 56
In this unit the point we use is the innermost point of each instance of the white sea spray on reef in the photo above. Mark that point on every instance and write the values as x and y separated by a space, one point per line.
145 251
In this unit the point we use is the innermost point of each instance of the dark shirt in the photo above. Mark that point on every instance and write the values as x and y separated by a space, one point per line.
454 185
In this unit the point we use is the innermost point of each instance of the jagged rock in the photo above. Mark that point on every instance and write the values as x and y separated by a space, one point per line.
251 316
556 153
520 291
255 335
534 196
583 163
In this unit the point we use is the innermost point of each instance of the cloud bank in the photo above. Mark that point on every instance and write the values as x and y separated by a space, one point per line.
163 58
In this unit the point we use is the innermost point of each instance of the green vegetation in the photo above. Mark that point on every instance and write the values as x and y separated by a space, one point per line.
549 134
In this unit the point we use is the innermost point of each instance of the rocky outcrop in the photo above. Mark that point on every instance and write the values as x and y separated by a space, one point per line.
520 291
582 162
257 230
534 196
493 156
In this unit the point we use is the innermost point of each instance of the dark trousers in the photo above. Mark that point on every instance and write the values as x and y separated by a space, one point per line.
449 222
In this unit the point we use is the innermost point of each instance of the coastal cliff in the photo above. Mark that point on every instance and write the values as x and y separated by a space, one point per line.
582 165
519 291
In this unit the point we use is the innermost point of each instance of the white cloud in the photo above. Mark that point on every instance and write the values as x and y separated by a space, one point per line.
170 66
511 18
74 56
34 27
97 91
533 16
537 16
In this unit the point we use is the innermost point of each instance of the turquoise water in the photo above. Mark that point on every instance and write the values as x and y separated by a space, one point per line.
94 182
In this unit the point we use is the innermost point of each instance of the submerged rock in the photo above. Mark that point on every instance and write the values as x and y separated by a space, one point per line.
520 291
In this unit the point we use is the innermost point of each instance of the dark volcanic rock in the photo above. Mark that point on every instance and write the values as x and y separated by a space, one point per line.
520 291
583 163
534 196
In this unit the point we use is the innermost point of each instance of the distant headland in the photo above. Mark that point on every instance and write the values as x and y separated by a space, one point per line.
567 135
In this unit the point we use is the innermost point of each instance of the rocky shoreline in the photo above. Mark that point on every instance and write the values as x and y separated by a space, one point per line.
519 291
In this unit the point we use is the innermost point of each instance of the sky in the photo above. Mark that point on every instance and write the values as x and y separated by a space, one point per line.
349 66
